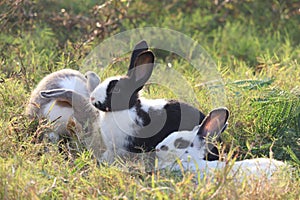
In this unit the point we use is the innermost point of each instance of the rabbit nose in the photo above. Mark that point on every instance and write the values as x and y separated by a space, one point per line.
157 150
92 98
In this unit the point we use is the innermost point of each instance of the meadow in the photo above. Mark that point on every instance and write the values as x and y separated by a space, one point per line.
256 48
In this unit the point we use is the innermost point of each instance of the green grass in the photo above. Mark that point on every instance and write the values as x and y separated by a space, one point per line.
256 48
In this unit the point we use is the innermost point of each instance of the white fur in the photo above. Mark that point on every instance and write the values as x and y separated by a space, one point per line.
63 79
76 84
86 119
155 104
192 158
63 113
250 168
115 128
99 94
168 157
117 125
54 112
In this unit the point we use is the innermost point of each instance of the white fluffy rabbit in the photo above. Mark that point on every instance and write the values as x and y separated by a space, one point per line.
190 147
130 123
85 116
57 110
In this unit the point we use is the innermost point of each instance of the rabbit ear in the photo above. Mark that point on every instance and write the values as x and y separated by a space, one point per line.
196 128
139 48
73 98
60 94
214 123
93 80
143 68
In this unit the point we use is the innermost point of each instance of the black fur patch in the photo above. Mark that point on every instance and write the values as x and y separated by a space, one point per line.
173 117
213 154
107 102
142 114
180 143
120 95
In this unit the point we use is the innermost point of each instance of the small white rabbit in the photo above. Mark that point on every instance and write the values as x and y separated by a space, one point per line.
56 110
85 116
133 124
190 147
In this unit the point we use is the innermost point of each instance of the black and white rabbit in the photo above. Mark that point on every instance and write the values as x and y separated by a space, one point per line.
57 110
130 123
190 148
85 116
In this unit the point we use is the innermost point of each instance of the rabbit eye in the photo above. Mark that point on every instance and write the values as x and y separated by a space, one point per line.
164 148
113 87
180 143
115 90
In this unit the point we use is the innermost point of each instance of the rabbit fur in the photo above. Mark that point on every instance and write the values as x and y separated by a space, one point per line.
190 147
132 124
85 116
57 110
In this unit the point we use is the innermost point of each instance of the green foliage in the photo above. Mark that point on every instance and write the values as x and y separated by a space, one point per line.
256 45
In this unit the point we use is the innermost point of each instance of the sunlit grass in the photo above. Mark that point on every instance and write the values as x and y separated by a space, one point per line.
256 56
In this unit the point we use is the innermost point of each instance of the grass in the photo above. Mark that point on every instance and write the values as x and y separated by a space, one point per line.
254 44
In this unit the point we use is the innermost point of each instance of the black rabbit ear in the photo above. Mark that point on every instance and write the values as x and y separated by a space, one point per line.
143 68
138 49
214 123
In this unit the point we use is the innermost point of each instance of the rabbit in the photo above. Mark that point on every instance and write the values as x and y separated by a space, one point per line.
190 147
59 111
130 123
85 116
